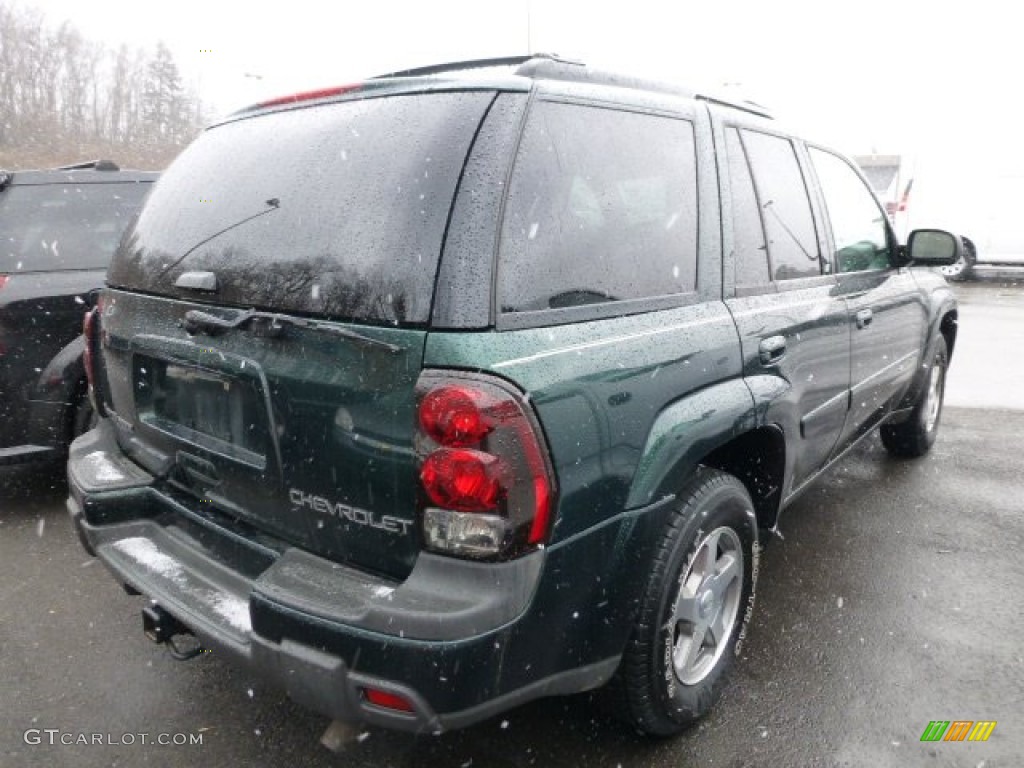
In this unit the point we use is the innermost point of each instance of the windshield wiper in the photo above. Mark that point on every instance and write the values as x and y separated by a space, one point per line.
197 321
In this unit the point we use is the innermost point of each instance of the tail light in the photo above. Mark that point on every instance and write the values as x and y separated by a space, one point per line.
90 334
486 486
3 282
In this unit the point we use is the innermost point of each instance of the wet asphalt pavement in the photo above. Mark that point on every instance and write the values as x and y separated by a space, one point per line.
893 600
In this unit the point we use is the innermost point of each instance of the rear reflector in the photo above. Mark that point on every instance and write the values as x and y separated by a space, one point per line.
387 700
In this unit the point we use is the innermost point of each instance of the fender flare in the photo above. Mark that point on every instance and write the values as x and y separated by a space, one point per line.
684 432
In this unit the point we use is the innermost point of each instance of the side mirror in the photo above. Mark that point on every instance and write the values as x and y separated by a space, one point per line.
934 248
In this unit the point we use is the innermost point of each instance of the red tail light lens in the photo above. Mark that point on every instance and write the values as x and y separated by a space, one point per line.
3 347
485 479
466 481
387 700
89 334
453 416
296 98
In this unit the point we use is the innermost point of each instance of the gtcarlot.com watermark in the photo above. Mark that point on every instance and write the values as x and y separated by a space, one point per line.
56 737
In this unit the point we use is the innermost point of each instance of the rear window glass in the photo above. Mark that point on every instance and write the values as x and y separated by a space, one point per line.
602 207
336 210
53 227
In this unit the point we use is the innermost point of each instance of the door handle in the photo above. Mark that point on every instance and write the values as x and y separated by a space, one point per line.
772 349
864 317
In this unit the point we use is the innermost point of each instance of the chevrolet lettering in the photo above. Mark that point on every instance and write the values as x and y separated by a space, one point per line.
352 514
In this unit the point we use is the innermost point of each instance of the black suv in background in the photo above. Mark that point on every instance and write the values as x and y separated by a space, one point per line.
58 230
478 384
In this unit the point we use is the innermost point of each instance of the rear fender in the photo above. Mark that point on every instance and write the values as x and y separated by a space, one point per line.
685 432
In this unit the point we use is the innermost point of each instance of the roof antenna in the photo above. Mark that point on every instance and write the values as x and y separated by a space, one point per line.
529 28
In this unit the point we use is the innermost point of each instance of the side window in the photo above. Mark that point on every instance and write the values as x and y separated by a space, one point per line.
785 207
858 223
748 230
602 207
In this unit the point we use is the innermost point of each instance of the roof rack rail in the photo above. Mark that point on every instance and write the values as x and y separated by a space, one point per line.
746 105
96 165
552 68
456 66
547 68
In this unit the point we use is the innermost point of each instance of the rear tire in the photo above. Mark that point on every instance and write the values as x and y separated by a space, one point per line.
915 436
699 596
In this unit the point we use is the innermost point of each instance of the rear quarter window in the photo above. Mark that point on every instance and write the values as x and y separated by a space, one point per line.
602 207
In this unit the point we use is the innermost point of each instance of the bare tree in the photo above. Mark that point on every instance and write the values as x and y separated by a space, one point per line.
64 97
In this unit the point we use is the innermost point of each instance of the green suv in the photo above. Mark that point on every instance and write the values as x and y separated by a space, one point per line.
431 395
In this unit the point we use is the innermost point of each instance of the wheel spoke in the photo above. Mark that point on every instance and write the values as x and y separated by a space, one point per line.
708 555
687 610
718 628
687 651
727 571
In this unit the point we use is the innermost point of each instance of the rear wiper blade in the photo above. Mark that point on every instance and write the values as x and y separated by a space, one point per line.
197 321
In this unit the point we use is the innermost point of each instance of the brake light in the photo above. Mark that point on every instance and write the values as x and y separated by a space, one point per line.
295 98
453 415
486 484
90 334
3 347
466 481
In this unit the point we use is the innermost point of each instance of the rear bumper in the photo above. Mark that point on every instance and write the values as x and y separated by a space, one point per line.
324 632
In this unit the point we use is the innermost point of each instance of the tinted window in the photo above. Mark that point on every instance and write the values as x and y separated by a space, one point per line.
785 207
64 226
336 209
602 207
751 255
858 223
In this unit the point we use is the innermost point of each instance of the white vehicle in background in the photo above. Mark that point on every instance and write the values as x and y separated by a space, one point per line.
980 200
